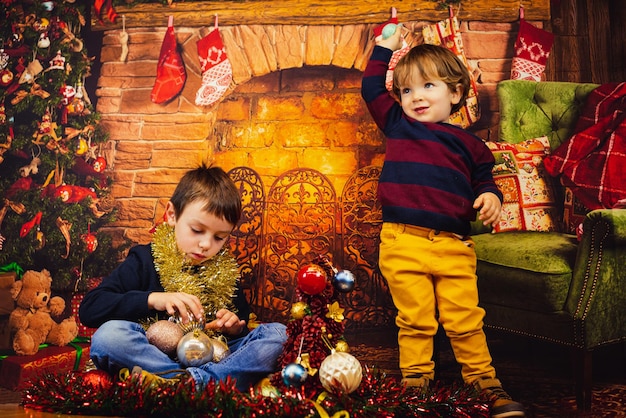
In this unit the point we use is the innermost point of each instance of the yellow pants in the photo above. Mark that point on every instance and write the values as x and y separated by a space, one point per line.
432 272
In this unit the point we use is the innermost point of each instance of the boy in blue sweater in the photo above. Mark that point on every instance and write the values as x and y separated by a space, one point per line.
185 273
435 179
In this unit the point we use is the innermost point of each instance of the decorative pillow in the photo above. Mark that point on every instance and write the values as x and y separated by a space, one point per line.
529 202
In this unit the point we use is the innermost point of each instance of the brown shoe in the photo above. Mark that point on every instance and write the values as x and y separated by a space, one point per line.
416 381
150 379
503 406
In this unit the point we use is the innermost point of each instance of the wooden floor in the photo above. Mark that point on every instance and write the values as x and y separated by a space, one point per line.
13 410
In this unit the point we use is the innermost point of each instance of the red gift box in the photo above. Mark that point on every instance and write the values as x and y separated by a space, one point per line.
15 371
83 331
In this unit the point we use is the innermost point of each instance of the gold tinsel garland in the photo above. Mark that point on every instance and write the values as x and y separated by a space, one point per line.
213 282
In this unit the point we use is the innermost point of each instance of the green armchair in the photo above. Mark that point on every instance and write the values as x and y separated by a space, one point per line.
548 285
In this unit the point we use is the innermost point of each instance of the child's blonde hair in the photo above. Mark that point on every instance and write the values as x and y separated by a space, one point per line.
433 62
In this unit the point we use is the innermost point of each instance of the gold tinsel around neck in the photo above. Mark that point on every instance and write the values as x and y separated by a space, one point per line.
213 282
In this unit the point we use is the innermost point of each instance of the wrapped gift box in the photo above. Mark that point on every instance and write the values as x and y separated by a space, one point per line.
77 298
15 371
83 331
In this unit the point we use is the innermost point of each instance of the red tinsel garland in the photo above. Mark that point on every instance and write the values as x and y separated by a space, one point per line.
377 396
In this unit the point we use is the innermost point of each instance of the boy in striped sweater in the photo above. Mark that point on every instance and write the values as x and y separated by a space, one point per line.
435 180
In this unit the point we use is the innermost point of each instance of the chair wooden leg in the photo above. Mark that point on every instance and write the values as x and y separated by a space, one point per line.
582 365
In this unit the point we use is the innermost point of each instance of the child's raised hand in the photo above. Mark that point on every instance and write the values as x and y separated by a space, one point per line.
489 207
391 40
227 322
180 304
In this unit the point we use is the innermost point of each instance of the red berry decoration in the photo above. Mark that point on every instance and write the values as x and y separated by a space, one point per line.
98 379
312 279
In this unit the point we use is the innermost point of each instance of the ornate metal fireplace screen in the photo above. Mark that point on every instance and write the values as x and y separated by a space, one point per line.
300 218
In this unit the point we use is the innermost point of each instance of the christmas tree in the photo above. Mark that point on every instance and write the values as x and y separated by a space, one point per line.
315 333
55 194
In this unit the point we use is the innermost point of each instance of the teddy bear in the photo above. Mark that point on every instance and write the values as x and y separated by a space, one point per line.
31 321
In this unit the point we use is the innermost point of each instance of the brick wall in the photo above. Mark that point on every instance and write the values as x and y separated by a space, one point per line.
294 102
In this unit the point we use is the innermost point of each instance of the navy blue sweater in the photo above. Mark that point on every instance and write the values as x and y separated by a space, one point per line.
432 172
124 293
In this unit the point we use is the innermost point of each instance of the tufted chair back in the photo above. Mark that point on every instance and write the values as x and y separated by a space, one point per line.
530 109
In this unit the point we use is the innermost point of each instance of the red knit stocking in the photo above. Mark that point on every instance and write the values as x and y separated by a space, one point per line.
171 75
532 48
217 72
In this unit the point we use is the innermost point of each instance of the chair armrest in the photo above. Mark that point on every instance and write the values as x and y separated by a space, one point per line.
597 295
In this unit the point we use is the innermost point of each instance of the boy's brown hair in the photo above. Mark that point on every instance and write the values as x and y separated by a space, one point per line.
213 186
433 62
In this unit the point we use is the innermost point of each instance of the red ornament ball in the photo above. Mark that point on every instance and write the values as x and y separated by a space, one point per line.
98 379
312 279
99 164
91 242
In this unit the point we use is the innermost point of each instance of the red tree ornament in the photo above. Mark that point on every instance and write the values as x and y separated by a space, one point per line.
91 242
312 279
99 164
73 194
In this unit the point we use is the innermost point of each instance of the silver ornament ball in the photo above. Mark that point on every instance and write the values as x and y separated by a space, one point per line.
194 349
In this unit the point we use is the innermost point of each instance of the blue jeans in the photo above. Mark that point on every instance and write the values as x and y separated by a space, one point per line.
123 344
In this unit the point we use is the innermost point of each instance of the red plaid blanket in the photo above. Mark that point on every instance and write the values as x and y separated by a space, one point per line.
592 161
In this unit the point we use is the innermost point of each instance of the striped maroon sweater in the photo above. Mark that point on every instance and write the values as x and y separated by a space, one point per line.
433 172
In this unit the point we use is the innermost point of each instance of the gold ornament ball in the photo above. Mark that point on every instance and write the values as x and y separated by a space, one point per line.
342 346
267 389
340 372
220 350
298 310
165 335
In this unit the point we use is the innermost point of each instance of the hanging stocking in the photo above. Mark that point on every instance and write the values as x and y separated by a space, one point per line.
171 75
446 33
532 48
217 72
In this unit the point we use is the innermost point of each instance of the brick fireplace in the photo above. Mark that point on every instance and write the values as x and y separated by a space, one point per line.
294 131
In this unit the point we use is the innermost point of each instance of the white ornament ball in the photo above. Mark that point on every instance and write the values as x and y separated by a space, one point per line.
341 372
